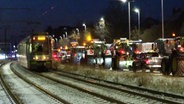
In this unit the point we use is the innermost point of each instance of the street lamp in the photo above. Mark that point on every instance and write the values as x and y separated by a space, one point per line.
162 10
102 19
60 37
124 1
129 23
139 20
66 34
102 22
77 31
84 26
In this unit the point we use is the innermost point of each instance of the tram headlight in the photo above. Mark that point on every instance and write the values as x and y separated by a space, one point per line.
45 57
35 57
41 57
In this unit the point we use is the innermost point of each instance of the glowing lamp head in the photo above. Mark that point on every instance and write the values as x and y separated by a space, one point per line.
123 1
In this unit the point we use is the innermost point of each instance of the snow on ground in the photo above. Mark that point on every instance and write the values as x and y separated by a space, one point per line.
155 81
147 80
27 93
3 97
65 92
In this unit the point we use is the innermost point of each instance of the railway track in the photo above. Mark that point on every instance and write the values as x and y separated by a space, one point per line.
10 95
102 99
132 94
147 93
20 92
86 90
115 93
39 87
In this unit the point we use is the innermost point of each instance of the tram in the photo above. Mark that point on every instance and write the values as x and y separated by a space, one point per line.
35 52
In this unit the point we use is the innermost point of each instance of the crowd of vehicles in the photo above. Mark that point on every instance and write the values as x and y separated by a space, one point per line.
95 52
117 56
165 55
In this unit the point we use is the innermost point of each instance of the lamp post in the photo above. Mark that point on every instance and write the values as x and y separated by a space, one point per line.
129 21
84 26
162 11
102 22
139 20
77 31
66 35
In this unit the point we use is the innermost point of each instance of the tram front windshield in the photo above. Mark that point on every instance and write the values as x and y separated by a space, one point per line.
41 46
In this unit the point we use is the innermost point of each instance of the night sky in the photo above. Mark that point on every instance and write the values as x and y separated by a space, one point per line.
20 16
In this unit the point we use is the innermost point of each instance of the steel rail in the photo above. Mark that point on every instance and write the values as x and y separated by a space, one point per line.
127 86
85 90
39 87
11 96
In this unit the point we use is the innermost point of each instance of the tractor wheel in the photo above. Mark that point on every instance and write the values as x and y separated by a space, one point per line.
164 66
117 64
180 68
177 65
151 70
174 65
134 67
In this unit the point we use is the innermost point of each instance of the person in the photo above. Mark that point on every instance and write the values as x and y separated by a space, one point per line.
97 54
83 60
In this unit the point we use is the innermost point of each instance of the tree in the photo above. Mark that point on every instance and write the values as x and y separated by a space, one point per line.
135 34
116 18
101 30
49 29
64 42
74 37
152 34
